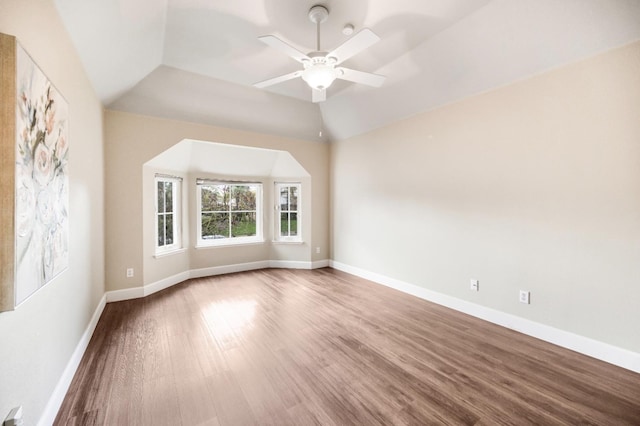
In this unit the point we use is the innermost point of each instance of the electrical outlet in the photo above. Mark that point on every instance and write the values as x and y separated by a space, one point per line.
524 296
317 250
129 272
14 418
475 285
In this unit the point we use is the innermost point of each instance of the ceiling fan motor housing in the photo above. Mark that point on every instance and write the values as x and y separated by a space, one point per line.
319 58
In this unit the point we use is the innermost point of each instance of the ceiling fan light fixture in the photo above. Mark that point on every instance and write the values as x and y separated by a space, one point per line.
319 76
320 68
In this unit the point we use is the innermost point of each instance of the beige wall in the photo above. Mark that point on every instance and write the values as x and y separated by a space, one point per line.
132 140
38 338
534 186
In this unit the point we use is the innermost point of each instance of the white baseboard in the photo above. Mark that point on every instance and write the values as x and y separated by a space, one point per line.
126 294
137 292
60 391
320 264
165 283
289 264
603 351
227 269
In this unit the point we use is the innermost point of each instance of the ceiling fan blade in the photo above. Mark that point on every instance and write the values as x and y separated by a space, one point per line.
277 80
356 44
285 48
375 80
318 95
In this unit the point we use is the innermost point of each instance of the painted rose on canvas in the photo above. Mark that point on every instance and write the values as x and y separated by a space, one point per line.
42 181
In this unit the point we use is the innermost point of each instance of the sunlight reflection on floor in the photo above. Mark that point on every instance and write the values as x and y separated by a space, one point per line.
228 320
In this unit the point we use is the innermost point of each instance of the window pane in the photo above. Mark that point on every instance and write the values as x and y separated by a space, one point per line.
221 198
284 198
243 224
229 211
168 213
207 198
160 201
293 223
224 196
168 222
160 230
284 224
293 198
168 191
215 226
214 198
243 197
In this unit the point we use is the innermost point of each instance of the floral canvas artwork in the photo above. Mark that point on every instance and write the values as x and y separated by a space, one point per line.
42 181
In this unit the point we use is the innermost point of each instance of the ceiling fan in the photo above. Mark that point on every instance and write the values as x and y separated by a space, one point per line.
321 68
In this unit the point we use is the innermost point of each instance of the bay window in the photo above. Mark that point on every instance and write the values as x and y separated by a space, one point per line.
288 218
229 212
168 213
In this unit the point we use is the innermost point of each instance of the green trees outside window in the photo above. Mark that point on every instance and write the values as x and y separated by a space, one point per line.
289 211
168 206
229 210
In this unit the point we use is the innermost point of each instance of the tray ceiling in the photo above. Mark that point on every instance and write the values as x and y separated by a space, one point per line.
196 60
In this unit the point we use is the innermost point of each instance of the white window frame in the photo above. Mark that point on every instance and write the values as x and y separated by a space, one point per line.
278 231
258 238
176 214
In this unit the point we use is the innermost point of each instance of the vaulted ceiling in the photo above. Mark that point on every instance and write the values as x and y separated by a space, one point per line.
197 60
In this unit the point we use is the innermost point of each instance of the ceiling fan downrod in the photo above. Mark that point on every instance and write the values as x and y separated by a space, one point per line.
318 14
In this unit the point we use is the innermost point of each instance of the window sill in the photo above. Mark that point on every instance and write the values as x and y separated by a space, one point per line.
169 252
230 244
292 242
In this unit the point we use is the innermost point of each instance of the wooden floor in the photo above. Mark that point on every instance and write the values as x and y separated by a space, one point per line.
286 347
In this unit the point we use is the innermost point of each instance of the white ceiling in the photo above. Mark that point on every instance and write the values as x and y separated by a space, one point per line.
196 60
190 155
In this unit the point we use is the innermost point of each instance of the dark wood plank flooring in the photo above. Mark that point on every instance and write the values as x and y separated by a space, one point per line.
282 347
